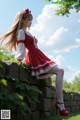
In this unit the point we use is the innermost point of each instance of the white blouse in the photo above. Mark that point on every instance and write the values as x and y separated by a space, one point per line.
20 52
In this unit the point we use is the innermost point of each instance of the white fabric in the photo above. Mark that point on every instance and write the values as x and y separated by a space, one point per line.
43 70
41 65
21 35
59 91
20 53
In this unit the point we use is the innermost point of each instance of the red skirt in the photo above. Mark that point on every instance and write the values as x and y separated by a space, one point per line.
39 63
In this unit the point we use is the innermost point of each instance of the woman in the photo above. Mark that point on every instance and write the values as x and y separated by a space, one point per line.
40 64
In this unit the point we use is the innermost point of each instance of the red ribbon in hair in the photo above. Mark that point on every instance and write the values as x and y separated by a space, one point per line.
26 11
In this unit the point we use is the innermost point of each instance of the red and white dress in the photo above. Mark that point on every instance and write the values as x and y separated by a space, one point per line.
39 63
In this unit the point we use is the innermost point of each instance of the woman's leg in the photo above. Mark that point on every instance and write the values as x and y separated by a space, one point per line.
59 83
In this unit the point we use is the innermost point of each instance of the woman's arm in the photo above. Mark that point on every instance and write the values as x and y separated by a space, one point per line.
20 52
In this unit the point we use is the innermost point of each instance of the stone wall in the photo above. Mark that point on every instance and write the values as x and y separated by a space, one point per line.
48 97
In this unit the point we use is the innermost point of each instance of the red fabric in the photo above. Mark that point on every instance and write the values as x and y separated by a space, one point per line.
35 57
20 41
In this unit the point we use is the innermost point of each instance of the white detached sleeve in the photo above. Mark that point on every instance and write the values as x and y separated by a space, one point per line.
20 53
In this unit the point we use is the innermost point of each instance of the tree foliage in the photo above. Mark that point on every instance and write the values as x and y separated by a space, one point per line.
75 86
6 55
66 6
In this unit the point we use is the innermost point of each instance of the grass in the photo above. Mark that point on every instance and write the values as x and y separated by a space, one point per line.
71 116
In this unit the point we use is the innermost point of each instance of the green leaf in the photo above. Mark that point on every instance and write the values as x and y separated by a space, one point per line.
35 99
20 96
4 82
35 89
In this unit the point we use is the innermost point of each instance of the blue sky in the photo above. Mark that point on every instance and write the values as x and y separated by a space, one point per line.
58 37
9 8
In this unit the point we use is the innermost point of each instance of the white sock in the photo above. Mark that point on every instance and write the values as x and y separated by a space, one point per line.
59 91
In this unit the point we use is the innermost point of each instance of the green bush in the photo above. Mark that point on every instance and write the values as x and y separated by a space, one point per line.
19 98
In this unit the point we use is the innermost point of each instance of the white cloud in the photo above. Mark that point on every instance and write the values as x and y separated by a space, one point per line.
76 44
57 33
75 73
54 38
60 60
69 71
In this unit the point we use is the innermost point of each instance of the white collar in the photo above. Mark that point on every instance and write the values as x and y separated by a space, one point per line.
28 33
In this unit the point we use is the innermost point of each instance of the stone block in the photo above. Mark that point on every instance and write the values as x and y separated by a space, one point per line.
3 69
66 96
33 81
33 106
13 70
77 108
53 101
28 117
44 114
44 104
23 74
53 92
73 108
45 82
11 87
66 103
17 116
69 109
46 92
35 115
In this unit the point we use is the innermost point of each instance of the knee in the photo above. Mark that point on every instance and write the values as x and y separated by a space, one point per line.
61 71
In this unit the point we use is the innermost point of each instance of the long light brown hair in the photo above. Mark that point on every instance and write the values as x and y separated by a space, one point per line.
11 35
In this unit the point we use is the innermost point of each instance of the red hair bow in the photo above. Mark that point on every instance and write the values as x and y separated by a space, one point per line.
26 11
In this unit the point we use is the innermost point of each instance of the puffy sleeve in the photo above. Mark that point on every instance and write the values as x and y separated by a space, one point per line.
20 52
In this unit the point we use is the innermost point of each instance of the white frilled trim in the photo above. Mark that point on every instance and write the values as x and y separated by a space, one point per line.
21 51
42 71
41 65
